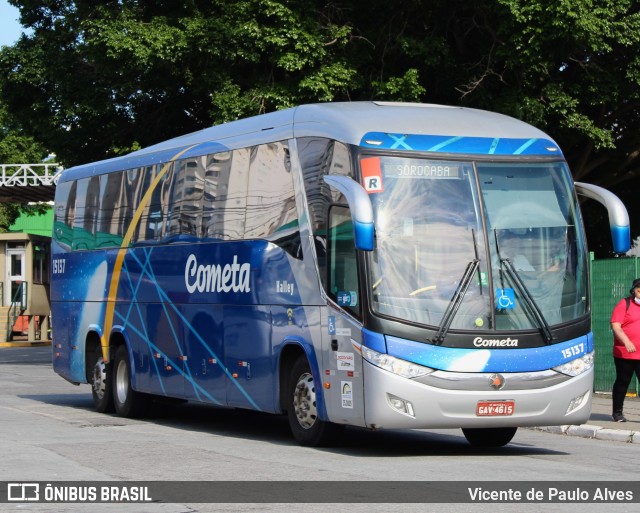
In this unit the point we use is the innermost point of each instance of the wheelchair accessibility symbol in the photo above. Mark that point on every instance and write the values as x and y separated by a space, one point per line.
505 299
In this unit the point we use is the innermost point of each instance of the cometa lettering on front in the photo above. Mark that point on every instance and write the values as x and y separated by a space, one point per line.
215 277
493 342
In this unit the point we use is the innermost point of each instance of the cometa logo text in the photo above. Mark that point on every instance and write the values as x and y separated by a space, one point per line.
495 342
216 278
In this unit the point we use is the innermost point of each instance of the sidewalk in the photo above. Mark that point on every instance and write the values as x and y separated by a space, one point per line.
25 343
601 426
22 340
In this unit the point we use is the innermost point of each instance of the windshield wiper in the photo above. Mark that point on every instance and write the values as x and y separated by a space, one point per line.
456 301
528 298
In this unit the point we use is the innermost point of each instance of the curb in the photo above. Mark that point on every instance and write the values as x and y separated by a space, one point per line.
591 431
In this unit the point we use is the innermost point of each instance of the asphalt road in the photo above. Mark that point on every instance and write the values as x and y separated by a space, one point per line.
50 433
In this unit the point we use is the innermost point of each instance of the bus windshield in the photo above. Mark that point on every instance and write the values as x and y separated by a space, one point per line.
515 225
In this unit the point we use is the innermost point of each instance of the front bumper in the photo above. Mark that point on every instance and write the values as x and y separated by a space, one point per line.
433 407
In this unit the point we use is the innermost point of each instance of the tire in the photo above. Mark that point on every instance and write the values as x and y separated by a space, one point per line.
306 427
100 380
489 437
127 402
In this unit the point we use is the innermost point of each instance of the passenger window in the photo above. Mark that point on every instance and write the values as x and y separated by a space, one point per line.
318 158
225 203
192 196
83 236
92 205
215 176
271 202
111 206
65 212
151 221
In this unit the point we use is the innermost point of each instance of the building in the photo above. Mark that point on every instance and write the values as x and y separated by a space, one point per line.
24 278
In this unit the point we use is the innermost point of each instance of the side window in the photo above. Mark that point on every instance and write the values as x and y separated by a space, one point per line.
216 180
185 217
166 188
320 157
92 205
343 282
133 182
63 213
152 219
225 205
83 238
70 206
175 201
192 198
143 225
271 202
111 200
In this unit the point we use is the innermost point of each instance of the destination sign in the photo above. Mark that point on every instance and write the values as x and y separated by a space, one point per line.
421 169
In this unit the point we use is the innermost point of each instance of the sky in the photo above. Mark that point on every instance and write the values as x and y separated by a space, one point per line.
10 27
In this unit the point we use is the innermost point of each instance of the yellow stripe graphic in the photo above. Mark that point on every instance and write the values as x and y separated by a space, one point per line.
117 268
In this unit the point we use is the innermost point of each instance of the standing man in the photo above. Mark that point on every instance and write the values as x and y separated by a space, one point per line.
625 323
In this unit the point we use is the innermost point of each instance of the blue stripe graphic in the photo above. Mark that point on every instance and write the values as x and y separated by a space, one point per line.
460 144
146 272
455 359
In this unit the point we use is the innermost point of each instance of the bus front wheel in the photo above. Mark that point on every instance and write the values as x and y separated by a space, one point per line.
302 411
127 402
489 437
101 384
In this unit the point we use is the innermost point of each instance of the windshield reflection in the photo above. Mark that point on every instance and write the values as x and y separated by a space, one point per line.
533 215
429 227
425 229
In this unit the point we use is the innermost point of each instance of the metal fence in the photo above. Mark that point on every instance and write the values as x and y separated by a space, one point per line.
610 282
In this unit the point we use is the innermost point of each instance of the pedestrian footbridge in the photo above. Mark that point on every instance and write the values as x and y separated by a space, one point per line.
26 183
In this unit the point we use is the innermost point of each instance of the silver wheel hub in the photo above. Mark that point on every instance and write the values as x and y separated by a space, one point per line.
122 381
304 401
99 381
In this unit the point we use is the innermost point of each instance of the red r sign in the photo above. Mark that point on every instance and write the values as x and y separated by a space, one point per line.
371 175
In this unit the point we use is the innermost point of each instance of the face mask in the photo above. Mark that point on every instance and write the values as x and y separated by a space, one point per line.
636 300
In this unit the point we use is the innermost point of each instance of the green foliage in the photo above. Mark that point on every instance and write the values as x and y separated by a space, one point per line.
96 78
9 212
406 88
16 148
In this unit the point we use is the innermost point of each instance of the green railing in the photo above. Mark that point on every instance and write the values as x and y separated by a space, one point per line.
610 282
18 305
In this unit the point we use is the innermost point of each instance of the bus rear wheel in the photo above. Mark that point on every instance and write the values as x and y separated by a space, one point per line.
489 437
101 384
302 411
127 402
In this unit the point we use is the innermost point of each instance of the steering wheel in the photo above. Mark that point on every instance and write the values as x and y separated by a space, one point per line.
423 289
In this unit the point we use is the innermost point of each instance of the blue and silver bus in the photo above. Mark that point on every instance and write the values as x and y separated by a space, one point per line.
381 265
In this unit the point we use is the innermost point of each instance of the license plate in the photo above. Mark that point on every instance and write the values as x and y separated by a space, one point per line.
495 408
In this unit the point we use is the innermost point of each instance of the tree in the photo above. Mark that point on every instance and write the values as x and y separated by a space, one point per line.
97 78
16 148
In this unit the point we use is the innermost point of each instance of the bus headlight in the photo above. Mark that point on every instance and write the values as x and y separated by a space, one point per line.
397 366
577 366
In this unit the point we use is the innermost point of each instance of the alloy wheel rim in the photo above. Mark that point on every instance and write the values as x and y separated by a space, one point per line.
99 382
122 381
304 401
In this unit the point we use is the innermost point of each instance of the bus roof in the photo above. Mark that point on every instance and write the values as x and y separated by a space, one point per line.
397 126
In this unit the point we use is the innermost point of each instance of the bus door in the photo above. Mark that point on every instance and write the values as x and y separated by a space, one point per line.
342 332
